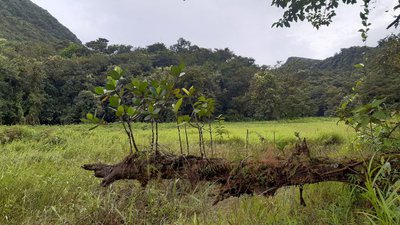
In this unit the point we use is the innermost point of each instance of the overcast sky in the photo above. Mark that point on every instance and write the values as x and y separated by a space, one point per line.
244 26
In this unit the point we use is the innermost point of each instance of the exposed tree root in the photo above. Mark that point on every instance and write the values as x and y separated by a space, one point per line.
246 177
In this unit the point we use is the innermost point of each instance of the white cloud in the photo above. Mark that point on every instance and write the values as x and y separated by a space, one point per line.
243 26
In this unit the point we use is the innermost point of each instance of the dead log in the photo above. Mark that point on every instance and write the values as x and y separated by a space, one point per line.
236 178
143 167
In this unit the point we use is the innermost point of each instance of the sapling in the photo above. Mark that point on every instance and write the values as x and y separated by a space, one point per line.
137 99
113 94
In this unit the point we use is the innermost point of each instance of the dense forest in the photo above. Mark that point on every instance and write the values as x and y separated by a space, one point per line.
50 79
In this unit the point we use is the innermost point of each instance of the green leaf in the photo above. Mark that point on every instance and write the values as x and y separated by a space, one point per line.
380 115
178 105
158 89
150 108
286 23
136 101
363 16
179 120
153 91
131 111
119 70
143 85
176 91
163 93
111 84
147 118
89 116
154 83
192 90
202 98
114 74
114 101
99 90
376 102
364 36
359 65
186 118
156 111
135 83
95 120
186 91
120 111
85 120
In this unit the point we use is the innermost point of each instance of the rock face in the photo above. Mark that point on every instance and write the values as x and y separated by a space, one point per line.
22 20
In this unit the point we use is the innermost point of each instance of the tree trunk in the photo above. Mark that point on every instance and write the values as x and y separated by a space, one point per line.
247 177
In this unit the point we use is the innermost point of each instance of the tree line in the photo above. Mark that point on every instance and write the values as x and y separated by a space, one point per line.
43 85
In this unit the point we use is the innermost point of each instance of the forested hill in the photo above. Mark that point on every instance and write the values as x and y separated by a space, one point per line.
22 20
58 89
309 87
341 61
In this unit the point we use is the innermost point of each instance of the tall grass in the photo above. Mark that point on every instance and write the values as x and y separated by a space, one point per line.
41 181
383 196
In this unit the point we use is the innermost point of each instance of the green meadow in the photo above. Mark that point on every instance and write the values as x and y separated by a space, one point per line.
41 180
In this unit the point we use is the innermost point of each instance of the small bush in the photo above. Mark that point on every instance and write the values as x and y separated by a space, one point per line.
12 134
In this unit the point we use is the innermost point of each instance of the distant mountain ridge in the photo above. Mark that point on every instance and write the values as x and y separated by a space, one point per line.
22 20
343 61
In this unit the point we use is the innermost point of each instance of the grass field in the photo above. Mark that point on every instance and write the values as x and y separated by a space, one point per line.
41 181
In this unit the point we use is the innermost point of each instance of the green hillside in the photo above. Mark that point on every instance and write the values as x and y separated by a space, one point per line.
22 20
318 86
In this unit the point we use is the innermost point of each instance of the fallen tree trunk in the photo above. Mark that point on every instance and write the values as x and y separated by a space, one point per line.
144 167
246 177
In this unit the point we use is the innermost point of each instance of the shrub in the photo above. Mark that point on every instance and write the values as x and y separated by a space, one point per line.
12 134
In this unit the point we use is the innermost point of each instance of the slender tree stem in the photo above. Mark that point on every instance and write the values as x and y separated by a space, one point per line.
179 136
129 136
187 139
247 138
132 141
392 130
132 137
211 139
200 148
302 202
152 135
156 137
202 142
